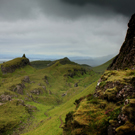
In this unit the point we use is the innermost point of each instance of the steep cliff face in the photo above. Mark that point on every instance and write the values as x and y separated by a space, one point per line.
12 65
126 56
111 109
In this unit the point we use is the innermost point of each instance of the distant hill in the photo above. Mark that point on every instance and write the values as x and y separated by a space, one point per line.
63 62
94 61
103 67
43 64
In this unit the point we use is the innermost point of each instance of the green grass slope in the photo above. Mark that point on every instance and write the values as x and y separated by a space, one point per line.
44 100
16 61
43 64
109 111
50 124
103 67
40 64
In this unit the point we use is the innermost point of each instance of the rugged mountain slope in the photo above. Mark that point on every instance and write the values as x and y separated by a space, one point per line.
126 56
111 109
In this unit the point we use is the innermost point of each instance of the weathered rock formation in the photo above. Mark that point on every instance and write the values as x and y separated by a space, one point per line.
26 79
37 91
12 65
18 88
126 56
5 98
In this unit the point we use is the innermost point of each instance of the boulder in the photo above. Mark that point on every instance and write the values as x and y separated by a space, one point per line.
19 89
26 79
5 98
36 91
76 85
64 94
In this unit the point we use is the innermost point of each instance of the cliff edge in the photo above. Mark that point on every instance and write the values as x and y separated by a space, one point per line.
126 56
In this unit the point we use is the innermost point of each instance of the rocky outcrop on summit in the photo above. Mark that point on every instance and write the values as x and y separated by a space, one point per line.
12 65
126 56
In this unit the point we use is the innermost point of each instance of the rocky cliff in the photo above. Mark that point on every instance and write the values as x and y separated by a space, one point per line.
111 109
126 56
12 65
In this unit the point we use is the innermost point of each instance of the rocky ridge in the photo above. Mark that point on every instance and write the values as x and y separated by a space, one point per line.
126 56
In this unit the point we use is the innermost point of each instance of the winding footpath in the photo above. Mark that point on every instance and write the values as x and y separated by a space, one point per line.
61 122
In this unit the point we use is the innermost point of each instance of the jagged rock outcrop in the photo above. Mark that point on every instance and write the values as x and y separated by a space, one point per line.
126 56
18 88
12 65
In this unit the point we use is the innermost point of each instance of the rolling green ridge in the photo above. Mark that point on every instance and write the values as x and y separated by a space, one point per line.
42 101
44 64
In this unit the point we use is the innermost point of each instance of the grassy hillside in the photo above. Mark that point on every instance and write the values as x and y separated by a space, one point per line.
51 123
102 67
44 96
40 64
44 64
109 111
15 62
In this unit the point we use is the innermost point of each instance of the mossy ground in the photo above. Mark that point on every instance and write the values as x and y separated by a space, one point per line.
11 115
16 61
94 113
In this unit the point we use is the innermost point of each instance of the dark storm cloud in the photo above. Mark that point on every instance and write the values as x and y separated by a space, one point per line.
60 27
17 9
125 7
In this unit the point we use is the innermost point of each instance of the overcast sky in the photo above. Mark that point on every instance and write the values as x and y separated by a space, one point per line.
63 28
